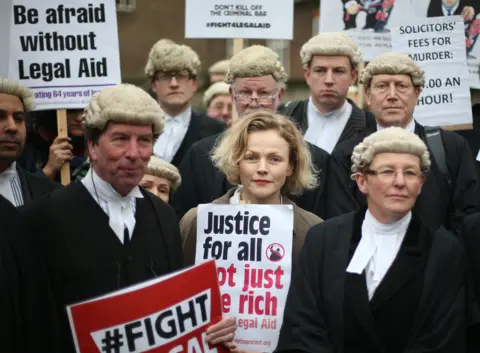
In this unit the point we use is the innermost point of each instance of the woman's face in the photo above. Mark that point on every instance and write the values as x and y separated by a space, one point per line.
158 186
392 183
74 121
264 167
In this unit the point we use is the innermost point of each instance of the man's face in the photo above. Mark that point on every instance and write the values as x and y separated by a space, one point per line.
329 78
74 120
220 108
252 93
122 154
392 99
13 129
174 89
449 3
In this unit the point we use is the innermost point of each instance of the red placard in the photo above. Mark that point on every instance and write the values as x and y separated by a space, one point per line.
168 315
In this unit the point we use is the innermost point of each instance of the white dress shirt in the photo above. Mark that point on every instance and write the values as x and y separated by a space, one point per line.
10 186
410 127
377 249
324 130
175 130
120 210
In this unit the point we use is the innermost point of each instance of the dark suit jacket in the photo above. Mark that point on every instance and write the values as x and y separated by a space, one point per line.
201 126
358 122
35 185
315 316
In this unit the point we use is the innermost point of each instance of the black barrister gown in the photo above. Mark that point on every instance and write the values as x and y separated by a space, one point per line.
27 315
418 307
85 258
439 204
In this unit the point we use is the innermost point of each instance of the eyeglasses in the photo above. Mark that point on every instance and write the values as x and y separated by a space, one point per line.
180 77
384 87
244 98
388 175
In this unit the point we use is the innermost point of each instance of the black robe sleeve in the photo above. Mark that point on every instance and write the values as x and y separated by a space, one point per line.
304 327
442 327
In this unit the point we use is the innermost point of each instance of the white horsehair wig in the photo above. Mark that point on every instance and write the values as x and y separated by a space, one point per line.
16 88
220 67
216 89
123 103
389 140
162 169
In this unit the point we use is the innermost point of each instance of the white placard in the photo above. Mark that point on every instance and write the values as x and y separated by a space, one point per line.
438 47
63 51
252 246
470 12
367 21
256 19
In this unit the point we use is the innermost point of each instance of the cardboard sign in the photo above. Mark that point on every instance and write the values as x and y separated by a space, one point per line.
368 22
168 315
265 19
438 47
252 246
63 51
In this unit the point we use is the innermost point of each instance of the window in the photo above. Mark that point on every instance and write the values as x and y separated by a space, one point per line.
282 48
126 5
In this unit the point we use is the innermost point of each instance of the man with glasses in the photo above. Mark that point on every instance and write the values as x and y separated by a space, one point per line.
393 84
218 102
257 81
330 62
173 70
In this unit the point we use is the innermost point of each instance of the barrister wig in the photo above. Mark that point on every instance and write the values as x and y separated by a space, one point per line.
393 64
16 88
123 103
220 67
389 140
162 169
230 149
331 44
256 61
168 56
217 89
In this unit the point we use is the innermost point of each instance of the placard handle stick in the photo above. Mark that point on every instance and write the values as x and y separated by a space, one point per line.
237 46
63 132
361 88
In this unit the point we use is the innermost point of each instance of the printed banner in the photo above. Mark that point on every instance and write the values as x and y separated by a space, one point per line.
252 246
167 315
260 19
63 51
368 22
438 47
469 10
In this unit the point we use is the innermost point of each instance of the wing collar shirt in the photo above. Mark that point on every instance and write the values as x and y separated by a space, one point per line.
324 130
377 249
410 127
120 210
174 132
10 186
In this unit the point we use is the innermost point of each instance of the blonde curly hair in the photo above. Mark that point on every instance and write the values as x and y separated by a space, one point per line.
389 140
231 148
393 64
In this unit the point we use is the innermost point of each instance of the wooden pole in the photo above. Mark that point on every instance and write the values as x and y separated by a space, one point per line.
63 132
238 44
361 88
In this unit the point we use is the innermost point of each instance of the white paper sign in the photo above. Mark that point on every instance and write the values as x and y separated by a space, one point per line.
260 19
63 51
252 246
438 47
470 12
368 22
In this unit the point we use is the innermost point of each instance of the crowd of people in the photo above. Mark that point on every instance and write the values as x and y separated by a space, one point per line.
386 210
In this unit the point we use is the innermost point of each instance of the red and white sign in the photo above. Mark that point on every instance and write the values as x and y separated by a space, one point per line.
168 315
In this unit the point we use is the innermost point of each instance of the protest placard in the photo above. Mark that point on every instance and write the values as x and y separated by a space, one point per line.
168 315
365 21
470 12
63 51
252 246
265 19
438 47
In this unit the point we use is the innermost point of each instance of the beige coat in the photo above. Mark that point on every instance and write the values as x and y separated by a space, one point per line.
302 222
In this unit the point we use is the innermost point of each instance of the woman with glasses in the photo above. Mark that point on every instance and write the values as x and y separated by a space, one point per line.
379 279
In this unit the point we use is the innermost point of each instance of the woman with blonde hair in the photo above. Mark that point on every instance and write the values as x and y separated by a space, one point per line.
266 156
